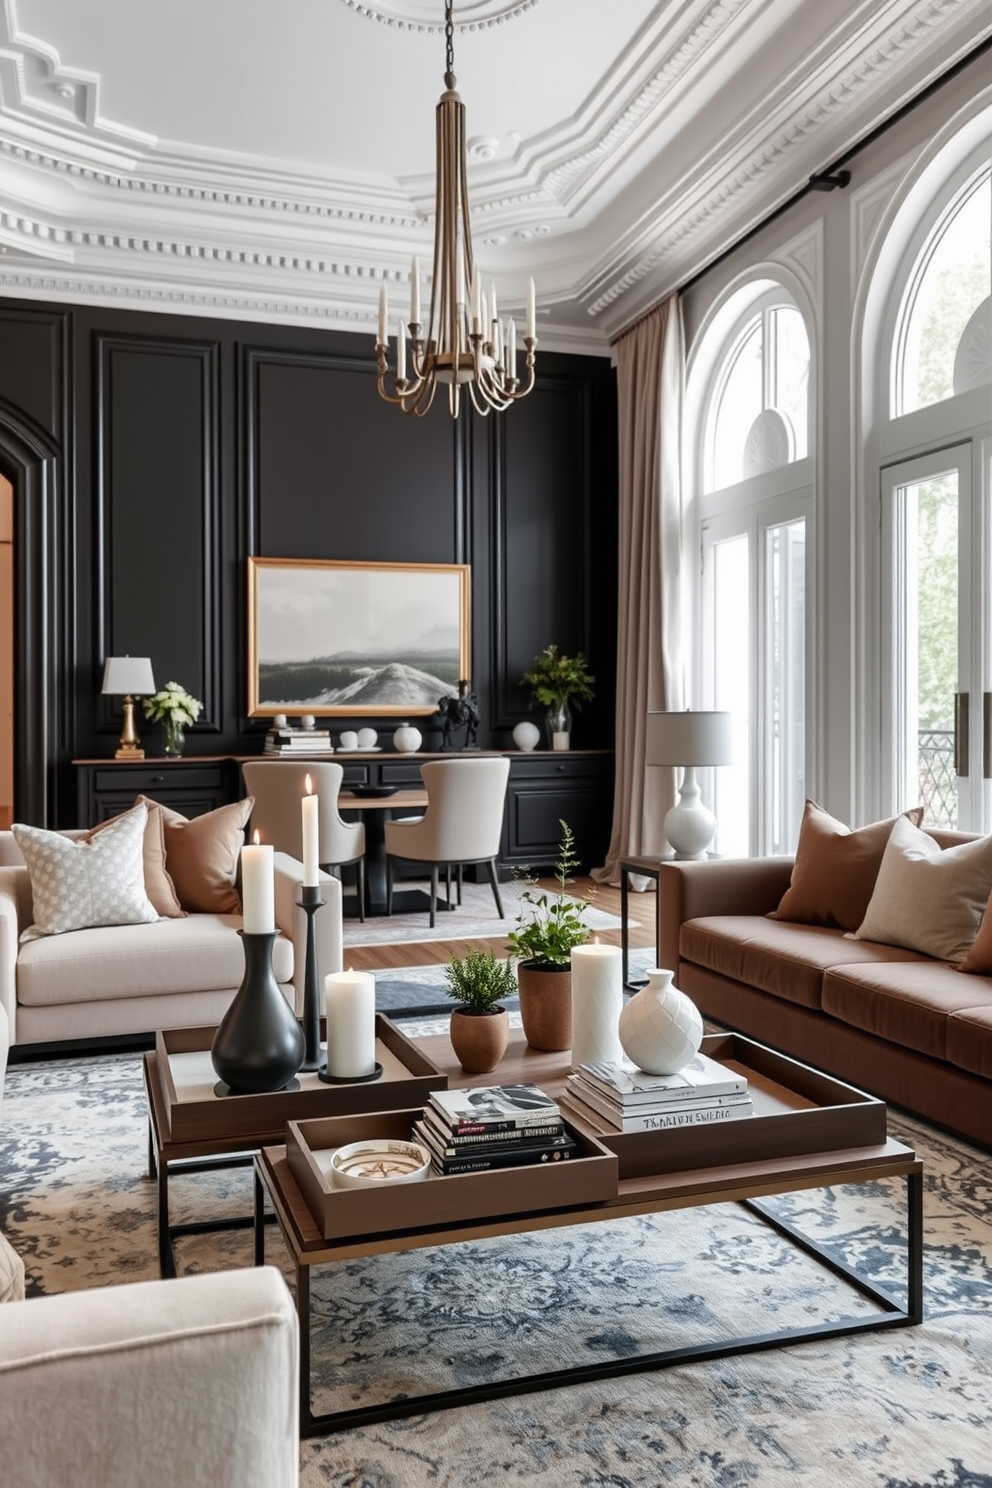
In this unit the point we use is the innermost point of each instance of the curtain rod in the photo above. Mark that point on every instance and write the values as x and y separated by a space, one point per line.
834 175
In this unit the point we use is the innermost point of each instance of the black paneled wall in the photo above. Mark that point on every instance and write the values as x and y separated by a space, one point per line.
150 454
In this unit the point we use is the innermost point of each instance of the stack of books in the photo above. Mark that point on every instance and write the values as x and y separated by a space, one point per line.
493 1126
297 741
623 1098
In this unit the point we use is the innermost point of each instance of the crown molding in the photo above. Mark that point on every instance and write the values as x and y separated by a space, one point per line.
419 15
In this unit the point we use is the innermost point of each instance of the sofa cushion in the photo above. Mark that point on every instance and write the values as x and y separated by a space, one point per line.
787 961
929 899
201 855
158 885
96 880
979 959
835 869
202 953
969 1034
908 1003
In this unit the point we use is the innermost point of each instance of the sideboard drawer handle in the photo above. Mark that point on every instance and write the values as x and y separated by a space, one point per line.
561 769
158 779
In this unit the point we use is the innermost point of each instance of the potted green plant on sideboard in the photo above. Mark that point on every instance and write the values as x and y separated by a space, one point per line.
558 683
549 924
480 1027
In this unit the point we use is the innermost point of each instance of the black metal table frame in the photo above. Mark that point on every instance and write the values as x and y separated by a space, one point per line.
643 868
892 1315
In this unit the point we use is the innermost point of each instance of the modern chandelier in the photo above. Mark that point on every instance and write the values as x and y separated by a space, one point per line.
465 346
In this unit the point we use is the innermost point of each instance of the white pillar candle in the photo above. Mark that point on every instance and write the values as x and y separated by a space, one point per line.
597 1002
349 1003
258 889
311 838
560 739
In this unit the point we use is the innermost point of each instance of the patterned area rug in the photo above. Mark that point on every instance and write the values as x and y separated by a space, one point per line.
907 1409
475 918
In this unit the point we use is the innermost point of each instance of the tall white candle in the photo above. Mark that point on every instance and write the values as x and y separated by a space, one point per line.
597 1002
415 291
511 347
531 326
258 888
349 1003
401 352
311 838
383 313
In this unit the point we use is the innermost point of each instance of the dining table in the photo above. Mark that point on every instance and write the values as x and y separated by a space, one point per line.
375 810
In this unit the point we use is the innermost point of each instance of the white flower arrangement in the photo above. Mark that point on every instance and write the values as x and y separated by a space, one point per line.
174 704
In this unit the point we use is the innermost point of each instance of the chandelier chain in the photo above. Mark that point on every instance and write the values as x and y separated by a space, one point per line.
449 45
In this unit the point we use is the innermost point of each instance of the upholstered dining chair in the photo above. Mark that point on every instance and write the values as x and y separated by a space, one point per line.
462 823
278 786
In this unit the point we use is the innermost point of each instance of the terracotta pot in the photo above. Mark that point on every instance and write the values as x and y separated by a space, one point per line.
546 1006
479 1039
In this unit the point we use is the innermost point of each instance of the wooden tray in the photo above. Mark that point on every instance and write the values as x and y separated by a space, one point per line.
797 1110
588 1177
187 1077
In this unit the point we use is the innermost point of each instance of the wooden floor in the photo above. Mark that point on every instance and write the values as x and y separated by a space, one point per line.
641 933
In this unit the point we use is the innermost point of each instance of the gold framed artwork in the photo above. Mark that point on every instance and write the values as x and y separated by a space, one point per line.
338 638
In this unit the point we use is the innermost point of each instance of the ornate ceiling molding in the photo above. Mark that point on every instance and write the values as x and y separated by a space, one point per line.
421 15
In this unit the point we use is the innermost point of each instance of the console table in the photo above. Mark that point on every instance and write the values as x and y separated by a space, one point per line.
545 787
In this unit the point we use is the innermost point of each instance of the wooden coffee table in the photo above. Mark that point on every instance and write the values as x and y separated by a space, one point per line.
192 1129
801 1109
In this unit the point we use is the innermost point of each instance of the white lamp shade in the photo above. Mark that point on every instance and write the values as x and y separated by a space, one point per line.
688 739
128 674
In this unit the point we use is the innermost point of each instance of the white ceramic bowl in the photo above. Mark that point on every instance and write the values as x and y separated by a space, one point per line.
374 1164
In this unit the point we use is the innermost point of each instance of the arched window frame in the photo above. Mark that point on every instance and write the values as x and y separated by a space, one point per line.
755 505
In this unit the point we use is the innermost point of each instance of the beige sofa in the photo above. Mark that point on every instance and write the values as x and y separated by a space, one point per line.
132 979
910 1029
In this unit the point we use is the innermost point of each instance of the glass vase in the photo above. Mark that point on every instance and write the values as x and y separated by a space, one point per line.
175 737
558 722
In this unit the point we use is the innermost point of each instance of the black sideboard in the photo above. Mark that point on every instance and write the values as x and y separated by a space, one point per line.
545 788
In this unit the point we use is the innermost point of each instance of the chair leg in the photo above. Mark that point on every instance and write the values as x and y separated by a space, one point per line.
360 884
494 880
447 882
389 885
459 880
433 894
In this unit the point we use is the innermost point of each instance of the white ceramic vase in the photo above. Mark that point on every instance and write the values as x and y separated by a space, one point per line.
660 1028
526 736
407 739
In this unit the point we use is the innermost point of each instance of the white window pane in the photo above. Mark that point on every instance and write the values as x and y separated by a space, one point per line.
952 277
737 408
791 374
731 692
784 721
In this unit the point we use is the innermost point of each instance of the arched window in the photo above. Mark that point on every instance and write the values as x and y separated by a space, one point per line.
930 492
750 394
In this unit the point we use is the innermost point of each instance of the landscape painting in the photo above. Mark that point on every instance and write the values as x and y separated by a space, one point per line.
336 638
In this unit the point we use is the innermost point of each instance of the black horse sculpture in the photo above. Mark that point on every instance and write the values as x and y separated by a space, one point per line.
460 712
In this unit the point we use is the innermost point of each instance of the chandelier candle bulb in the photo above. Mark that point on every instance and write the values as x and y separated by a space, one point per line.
383 313
511 347
349 1005
311 838
415 292
476 300
258 888
531 330
401 352
597 1002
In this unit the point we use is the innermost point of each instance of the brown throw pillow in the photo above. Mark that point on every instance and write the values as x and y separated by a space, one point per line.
158 885
835 869
201 854
979 958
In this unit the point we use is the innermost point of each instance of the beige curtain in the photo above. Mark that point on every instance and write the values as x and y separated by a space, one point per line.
650 382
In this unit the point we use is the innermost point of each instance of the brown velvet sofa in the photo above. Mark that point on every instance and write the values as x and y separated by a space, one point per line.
914 1031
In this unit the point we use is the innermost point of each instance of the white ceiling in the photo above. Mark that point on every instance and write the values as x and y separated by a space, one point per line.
273 162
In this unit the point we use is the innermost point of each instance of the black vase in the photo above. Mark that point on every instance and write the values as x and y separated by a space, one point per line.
259 1045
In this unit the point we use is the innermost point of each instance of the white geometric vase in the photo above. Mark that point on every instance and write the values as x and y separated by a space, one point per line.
660 1028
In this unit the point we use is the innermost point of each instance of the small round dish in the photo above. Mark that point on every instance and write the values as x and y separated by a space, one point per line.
374 1164
373 791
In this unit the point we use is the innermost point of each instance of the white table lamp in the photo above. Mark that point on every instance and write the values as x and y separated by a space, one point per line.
690 740
127 676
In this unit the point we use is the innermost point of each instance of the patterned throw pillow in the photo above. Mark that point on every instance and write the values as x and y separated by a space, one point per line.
99 881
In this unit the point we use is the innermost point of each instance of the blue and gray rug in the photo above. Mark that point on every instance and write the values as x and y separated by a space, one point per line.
907 1409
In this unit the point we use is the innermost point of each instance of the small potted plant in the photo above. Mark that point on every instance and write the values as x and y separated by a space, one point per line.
558 682
480 1027
546 929
177 710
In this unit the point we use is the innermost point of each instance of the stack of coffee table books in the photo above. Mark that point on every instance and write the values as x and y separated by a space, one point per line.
493 1126
625 1099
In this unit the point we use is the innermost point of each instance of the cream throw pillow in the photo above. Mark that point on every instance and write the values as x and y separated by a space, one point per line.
927 899
99 880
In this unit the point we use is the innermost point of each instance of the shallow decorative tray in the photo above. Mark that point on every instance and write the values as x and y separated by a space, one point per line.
187 1079
797 1110
588 1177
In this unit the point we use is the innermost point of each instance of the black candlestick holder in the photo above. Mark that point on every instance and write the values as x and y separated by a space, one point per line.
310 903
